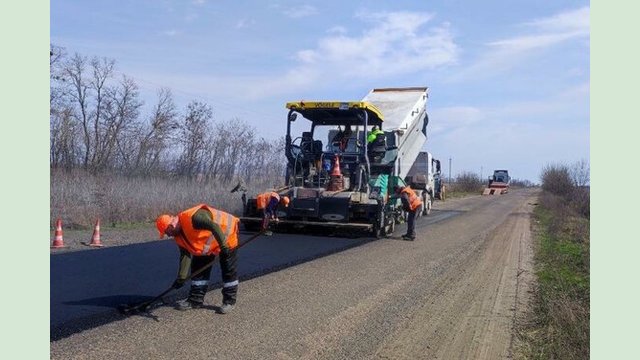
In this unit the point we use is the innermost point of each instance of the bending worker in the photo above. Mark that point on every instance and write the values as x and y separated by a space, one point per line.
268 203
201 233
410 203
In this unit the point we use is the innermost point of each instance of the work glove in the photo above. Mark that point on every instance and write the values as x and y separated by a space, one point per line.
178 283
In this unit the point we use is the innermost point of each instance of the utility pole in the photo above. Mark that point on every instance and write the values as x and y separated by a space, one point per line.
481 173
449 170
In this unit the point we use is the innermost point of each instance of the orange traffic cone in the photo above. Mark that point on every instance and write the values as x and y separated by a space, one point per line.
336 183
336 168
95 239
57 241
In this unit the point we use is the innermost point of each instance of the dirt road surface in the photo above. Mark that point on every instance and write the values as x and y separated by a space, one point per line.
456 292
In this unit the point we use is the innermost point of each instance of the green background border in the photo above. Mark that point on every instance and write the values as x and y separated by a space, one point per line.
615 90
24 149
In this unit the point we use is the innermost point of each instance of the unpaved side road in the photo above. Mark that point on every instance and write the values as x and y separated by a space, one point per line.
454 293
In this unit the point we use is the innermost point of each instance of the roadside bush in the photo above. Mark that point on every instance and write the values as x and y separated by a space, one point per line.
569 182
468 182
556 179
520 183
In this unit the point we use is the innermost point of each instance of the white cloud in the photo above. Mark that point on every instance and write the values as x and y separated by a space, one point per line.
337 30
243 23
396 43
454 117
300 11
577 92
520 136
199 2
171 32
570 21
190 17
503 54
392 44
550 31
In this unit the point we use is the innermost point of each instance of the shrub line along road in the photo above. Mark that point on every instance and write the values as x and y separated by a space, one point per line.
456 292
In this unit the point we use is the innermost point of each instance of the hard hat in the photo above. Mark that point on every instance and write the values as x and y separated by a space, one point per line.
162 222
285 200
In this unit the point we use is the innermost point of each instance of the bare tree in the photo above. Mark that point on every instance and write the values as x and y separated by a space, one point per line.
218 144
75 72
194 134
102 70
122 107
156 137
580 173
95 124
56 77
240 137
64 149
62 126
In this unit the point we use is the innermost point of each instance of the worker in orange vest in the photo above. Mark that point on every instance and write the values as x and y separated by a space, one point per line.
268 203
201 233
410 203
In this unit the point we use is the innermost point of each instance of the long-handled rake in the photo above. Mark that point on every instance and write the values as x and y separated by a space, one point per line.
128 309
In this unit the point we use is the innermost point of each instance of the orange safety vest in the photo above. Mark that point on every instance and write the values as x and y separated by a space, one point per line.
414 200
202 242
263 199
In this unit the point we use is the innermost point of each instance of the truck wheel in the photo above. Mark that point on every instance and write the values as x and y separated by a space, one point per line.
378 232
379 225
389 229
427 205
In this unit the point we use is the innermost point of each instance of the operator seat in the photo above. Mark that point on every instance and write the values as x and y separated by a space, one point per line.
377 148
312 149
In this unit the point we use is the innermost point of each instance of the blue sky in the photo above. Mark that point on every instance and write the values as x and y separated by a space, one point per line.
509 81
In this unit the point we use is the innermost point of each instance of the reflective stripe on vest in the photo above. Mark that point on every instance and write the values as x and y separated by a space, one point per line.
199 282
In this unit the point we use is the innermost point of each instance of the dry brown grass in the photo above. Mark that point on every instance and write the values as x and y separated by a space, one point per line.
80 198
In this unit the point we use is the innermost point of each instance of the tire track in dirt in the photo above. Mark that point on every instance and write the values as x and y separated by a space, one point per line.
470 312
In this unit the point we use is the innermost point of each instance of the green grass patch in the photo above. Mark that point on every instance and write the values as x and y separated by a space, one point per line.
559 325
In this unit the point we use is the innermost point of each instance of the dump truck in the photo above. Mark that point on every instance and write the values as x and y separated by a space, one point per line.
425 175
342 170
498 183
439 189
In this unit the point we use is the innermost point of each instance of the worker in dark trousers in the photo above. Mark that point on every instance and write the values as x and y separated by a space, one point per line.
410 203
201 233
268 203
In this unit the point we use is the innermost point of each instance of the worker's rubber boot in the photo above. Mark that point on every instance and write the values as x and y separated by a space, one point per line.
186 304
226 308
408 237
